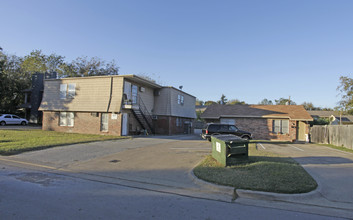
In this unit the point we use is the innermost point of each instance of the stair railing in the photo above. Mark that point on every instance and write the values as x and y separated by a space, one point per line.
145 113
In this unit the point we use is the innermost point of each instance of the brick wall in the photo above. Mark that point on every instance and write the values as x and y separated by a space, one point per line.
84 123
261 128
167 125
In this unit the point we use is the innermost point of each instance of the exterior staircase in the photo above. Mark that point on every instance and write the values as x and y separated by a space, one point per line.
143 117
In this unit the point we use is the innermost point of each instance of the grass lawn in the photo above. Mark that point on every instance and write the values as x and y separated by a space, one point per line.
263 171
336 147
18 141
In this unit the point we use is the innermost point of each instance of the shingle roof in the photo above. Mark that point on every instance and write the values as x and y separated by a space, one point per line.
293 112
326 114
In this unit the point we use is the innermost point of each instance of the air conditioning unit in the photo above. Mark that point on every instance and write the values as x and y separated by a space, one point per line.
142 89
154 117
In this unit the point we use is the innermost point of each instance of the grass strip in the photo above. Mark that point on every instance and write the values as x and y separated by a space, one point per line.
263 171
18 141
337 147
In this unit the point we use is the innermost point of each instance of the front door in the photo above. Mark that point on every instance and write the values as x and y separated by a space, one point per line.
124 124
301 131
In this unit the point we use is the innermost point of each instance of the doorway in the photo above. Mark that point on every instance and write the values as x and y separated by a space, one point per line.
301 131
124 124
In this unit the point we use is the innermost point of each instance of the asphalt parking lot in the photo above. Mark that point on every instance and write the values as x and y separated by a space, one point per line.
164 164
21 127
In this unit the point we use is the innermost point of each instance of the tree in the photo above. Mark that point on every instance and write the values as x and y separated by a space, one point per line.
346 91
235 101
12 83
283 101
210 102
223 100
83 66
266 102
199 102
37 62
309 106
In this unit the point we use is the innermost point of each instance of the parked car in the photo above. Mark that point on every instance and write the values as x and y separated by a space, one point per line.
7 119
217 129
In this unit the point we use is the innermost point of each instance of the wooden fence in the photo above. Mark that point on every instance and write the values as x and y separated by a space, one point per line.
338 135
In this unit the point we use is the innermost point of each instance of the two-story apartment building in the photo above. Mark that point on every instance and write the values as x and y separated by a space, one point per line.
116 105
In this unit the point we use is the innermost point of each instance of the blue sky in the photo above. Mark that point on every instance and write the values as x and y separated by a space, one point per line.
247 50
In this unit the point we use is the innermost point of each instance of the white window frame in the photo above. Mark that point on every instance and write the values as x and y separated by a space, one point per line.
66 119
280 126
67 91
71 90
63 89
180 99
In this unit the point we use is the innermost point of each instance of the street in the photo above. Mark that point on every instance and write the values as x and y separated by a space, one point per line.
139 178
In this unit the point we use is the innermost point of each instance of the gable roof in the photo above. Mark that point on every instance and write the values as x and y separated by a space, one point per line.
293 112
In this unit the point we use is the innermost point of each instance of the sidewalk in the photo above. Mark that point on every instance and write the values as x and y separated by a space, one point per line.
332 170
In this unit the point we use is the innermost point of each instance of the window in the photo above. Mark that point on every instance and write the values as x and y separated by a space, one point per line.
180 99
280 126
67 91
63 88
134 94
71 90
67 119
179 122
233 128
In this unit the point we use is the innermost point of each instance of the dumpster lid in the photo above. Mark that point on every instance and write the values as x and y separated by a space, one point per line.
229 138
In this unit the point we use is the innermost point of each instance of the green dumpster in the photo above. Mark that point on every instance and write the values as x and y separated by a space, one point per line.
229 149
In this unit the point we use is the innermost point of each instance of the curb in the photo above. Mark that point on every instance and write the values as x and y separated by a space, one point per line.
250 194
226 190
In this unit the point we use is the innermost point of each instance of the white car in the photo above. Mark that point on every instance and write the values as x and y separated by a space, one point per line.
7 119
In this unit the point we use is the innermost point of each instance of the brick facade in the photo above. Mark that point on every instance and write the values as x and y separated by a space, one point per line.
261 128
167 125
84 122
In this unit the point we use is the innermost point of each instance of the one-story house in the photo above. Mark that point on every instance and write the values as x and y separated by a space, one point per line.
116 105
265 122
334 117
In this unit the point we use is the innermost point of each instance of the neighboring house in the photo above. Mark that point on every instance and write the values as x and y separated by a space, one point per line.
33 97
334 117
265 122
116 105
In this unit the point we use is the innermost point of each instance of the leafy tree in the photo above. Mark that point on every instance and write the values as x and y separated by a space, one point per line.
210 102
283 101
147 77
223 100
12 83
235 101
309 106
199 102
346 91
83 66
266 102
37 62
